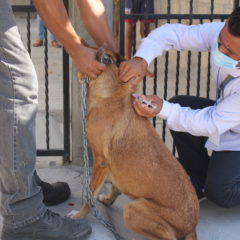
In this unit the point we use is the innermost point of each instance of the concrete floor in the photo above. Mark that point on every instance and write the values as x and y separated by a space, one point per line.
215 223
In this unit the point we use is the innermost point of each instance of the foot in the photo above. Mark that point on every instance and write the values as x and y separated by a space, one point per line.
199 187
50 226
55 193
55 44
38 43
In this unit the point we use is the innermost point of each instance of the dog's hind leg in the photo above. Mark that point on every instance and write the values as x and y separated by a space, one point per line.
144 217
110 198
99 174
157 222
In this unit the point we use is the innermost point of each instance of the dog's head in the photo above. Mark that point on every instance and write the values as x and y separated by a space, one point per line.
107 83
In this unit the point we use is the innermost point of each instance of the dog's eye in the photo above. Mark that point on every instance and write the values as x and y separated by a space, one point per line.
106 59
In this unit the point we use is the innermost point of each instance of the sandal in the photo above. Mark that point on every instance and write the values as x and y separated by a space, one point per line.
55 44
38 43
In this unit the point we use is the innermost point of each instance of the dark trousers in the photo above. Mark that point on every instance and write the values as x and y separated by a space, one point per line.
220 172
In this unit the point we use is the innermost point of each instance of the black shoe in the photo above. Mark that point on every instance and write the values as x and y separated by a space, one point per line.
55 193
51 226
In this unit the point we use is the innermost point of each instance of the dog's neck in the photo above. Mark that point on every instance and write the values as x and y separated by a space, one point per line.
107 85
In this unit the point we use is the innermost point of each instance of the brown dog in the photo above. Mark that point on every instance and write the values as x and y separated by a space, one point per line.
128 149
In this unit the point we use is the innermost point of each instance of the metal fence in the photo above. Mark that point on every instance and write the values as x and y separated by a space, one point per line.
174 73
177 72
51 117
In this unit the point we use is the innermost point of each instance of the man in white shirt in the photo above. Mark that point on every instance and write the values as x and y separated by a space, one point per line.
197 123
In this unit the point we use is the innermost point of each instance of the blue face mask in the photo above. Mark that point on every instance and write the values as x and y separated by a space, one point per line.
222 60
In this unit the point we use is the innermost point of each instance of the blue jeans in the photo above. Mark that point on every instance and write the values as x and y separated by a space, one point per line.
21 197
40 27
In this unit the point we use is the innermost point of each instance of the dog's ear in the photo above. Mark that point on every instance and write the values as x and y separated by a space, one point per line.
119 58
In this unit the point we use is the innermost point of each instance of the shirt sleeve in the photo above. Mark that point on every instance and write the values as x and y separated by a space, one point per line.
210 121
179 37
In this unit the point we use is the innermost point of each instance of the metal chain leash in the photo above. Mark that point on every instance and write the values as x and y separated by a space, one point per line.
87 193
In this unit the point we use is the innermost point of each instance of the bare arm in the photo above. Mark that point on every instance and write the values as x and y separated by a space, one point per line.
56 19
95 20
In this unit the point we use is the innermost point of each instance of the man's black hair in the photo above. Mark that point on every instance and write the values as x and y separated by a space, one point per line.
234 22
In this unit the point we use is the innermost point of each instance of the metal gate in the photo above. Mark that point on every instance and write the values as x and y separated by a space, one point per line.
177 72
54 106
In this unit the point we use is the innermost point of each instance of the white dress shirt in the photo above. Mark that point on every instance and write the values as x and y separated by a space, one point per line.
221 122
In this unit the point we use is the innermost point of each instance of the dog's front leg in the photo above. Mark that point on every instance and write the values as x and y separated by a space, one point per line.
82 212
110 198
99 174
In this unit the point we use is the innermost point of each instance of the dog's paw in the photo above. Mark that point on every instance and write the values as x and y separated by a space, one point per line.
105 199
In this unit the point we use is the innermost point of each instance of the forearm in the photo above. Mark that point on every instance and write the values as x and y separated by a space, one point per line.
198 122
95 21
56 20
179 37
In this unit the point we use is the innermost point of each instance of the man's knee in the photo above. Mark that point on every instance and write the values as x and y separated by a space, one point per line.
223 196
174 99
183 100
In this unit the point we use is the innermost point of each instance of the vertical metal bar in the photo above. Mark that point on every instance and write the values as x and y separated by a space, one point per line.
236 4
199 70
166 73
189 52
134 36
122 27
28 32
209 54
46 87
208 76
145 33
66 102
146 23
177 69
155 77
198 74
176 86
211 10
177 73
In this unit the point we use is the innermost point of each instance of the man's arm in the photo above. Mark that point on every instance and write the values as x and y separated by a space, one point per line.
95 20
169 36
56 19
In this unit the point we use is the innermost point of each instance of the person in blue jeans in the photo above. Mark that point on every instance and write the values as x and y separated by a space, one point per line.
41 31
25 216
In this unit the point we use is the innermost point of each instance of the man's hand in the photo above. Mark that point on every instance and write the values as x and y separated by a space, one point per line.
133 70
144 111
86 62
